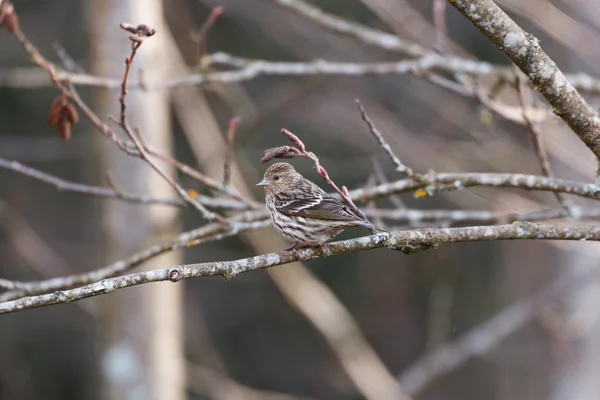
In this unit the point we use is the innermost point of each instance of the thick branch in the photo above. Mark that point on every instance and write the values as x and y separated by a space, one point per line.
230 269
524 50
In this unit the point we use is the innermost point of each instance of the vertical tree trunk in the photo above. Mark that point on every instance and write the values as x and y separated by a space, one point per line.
577 358
142 356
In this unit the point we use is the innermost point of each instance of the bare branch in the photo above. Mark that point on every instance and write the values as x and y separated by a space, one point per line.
386 147
206 382
456 181
111 193
230 269
90 190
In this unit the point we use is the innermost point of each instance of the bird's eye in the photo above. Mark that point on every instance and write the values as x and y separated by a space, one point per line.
276 178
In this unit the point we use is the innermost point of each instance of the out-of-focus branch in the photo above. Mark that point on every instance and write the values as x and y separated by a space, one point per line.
231 127
524 50
484 338
248 69
98 191
365 34
33 250
112 193
230 269
206 382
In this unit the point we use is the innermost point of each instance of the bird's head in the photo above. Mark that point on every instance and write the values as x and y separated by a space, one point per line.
279 177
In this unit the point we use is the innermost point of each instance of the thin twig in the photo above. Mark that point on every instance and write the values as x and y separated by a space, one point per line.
382 142
536 138
200 177
89 190
199 36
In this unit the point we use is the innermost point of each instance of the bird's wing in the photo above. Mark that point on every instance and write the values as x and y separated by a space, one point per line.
313 204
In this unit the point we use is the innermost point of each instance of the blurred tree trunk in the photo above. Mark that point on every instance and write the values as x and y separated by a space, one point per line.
578 333
142 355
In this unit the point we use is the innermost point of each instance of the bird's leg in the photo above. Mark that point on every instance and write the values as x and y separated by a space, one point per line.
292 248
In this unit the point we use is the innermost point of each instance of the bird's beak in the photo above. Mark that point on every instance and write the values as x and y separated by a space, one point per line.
264 182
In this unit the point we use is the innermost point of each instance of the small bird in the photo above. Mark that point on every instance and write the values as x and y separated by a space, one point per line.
303 212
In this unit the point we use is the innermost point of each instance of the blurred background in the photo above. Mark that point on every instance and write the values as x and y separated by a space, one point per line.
345 327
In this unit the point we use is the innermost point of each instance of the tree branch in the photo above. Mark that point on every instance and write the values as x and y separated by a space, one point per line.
524 50
230 269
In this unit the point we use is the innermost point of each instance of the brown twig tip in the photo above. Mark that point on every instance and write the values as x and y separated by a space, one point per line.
8 16
214 14
294 139
140 32
279 152
199 36
232 125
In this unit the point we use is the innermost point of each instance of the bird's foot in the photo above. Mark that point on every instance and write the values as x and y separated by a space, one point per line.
293 249
321 248
296 247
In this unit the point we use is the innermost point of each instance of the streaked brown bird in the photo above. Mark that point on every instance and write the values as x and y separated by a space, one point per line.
301 211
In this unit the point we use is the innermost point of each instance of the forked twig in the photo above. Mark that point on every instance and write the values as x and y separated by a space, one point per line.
139 34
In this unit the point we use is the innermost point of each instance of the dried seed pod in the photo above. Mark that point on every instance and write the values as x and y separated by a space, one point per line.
294 139
71 113
62 115
64 130
279 152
